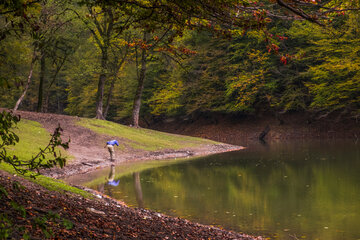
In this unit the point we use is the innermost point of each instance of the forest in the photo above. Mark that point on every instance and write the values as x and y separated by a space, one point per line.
131 60
144 62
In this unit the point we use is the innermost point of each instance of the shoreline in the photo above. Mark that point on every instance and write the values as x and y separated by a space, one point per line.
78 167
121 221
88 154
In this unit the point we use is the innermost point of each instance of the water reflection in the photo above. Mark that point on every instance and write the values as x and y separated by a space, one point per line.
109 186
138 190
111 180
307 190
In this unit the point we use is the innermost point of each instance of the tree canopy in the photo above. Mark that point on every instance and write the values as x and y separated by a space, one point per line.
142 59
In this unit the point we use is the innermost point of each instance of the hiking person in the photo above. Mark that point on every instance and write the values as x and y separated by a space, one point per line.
110 147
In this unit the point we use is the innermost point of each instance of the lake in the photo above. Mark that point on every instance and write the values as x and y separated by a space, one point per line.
291 190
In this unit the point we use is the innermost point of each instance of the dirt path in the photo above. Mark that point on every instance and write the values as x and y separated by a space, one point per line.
89 153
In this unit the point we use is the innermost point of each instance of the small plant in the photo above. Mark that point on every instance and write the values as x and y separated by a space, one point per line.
41 222
67 224
3 192
5 226
46 158
19 208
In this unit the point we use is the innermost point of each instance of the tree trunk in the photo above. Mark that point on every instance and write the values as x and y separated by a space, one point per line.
45 107
108 100
101 84
116 71
140 87
109 97
27 83
47 92
105 33
41 84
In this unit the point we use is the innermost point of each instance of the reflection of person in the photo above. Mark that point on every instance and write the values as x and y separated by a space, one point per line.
110 147
111 180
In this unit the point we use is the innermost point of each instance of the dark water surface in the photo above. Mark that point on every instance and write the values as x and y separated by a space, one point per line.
297 190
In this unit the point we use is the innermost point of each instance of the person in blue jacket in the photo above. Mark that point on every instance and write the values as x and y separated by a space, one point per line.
110 147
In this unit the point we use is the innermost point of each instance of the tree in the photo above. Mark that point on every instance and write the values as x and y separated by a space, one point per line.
33 60
13 15
333 78
106 24
116 25
141 73
45 27
121 51
221 17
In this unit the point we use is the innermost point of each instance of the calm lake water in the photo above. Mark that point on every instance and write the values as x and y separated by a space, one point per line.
293 190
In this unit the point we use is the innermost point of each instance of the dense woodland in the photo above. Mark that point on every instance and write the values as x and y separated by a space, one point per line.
125 60
138 61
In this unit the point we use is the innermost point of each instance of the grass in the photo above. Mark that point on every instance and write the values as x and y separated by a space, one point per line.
140 138
47 182
32 138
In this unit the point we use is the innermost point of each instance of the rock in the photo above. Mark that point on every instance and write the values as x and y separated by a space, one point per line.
95 211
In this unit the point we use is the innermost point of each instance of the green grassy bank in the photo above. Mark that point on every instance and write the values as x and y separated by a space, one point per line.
140 138
33 137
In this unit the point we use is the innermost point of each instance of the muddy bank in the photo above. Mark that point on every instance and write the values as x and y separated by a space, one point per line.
239 130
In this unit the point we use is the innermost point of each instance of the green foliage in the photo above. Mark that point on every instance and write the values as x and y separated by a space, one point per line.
81 75
290 66
332 66
19 208
3 192
7 122
318 71
335 83
243 90
15 56
166 99
5 226
67 224
223 76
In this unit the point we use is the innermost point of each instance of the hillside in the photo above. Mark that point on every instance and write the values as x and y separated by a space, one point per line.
88 138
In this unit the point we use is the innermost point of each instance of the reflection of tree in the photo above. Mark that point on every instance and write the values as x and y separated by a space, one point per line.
138 190
100 187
